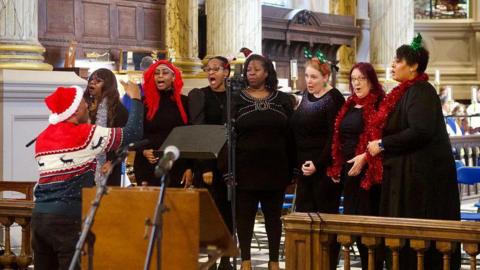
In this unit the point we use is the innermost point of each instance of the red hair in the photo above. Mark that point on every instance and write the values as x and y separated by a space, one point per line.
152 97
323 68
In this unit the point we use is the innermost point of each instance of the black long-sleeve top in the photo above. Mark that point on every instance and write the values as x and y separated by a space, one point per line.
207 107
313 126
263 145
156 131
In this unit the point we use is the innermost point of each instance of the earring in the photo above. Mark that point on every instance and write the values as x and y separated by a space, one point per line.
324 84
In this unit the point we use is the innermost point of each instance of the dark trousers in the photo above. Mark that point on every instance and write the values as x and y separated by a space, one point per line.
247 204
53 240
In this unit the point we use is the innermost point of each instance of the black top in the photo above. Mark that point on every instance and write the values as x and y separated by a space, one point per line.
313 126
350 130
263 148
156 131
207 107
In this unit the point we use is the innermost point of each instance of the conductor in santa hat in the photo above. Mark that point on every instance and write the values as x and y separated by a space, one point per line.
65 153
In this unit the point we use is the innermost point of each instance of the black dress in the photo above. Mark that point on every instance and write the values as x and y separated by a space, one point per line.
156 131
357 201
419 175
313 126
209 107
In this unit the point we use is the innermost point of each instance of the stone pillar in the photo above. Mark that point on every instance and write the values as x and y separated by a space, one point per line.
19 46
233 24
363 41
182 35
392 25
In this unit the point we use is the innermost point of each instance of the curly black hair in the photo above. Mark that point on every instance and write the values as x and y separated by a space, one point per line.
271 82
412 57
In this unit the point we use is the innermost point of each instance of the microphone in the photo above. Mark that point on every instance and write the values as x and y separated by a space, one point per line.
170 154
132 146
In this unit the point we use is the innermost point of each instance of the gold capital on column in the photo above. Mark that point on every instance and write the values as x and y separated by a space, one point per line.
182 32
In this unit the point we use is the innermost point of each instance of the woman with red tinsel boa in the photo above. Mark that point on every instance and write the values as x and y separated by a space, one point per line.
350 138
411 153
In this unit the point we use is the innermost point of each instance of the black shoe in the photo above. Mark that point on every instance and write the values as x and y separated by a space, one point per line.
225 264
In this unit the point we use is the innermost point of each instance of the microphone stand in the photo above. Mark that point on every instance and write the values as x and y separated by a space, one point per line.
86 234
156 233
234 84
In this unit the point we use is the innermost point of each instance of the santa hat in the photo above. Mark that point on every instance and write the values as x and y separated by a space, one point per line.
63 103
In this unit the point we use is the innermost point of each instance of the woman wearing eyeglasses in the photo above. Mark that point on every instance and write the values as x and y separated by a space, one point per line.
350 139
208 106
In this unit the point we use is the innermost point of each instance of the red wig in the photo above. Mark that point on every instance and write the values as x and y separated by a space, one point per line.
152 97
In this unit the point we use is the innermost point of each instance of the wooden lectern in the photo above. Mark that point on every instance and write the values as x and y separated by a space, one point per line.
192 224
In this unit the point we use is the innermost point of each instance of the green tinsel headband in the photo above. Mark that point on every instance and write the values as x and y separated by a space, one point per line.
417 42
321 57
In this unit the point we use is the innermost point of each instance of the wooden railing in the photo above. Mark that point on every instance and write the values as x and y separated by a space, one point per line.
309 235
17 211
468 150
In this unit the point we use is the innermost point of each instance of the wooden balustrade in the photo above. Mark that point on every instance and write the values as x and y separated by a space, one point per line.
308 235
17 211
468 150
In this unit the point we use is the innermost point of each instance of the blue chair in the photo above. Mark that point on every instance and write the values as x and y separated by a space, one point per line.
459 163
469 176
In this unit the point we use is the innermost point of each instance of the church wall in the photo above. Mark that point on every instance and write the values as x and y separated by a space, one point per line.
454 47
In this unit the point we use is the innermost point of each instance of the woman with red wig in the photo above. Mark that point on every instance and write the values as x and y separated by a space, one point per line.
350 139
164 110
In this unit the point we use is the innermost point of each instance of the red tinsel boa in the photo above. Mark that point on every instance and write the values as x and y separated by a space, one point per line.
368 111
374 125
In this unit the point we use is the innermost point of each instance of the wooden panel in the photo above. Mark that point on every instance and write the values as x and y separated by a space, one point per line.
127 21
59 16
100 26
96 19
152 24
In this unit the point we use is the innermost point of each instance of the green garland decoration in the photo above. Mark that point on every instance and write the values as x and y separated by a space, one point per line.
417 42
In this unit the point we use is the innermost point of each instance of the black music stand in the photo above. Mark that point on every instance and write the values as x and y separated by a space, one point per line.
194 142
197 141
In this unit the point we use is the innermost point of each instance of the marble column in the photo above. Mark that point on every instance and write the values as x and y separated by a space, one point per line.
233 24
182 35
19 46
392 24
363 41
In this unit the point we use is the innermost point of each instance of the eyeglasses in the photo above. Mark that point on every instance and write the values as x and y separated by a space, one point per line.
214 70
359 79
